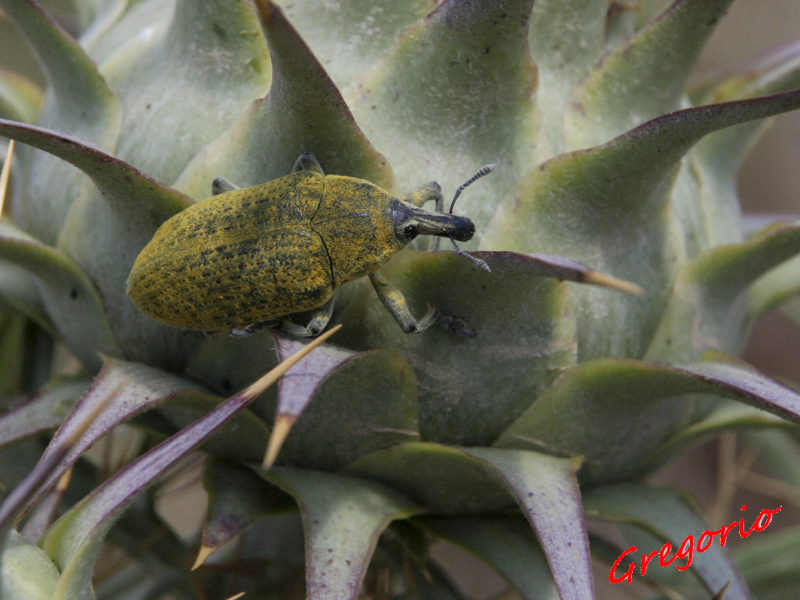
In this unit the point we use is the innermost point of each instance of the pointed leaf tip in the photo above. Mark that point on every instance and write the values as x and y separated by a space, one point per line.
283 425
598 278
257 388
202 555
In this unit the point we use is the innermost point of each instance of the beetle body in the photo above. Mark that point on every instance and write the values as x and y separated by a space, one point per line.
252 255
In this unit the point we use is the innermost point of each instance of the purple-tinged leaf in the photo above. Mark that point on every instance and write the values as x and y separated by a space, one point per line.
342 518
73 542
128 189
42 411
507 545
607 207
644 77
77 102
672 518
636 403
546 490
352 404
120 391
237 497
303 112
71 300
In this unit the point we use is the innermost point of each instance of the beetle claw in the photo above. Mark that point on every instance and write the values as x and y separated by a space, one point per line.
457 326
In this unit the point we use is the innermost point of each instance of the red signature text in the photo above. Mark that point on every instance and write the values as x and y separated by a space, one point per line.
688 547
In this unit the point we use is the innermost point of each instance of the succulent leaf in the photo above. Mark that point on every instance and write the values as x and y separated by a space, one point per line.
443 479
507 546
619 398
266 140
342 518
20 98
622 221
348 35
26 573
524 338
546 489
45 410
671 517
713 284
186 79
643 78
237 497
359 403
453 93
63 288
77 102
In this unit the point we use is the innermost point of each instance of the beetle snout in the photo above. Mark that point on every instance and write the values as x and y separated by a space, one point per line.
463 229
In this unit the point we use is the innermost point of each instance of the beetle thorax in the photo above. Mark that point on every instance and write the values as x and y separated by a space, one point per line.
355 223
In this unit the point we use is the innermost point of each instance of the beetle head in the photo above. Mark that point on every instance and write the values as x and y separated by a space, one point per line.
411 221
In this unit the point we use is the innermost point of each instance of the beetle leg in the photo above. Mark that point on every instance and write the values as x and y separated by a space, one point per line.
242 332
319 321
221 185
395 303
307 162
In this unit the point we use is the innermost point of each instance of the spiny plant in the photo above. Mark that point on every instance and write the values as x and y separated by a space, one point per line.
610 171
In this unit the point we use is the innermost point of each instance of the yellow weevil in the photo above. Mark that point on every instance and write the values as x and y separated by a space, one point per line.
248 258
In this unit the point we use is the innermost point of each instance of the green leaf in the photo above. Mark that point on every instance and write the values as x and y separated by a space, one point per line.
68 295
724 417
546 489
185 80
342 518
26 573
670 517
455 92
643 78
73 542
19 289
237 497
119 391
525 338
443 479
43 411
636 404
363 403
507 545
562 66
706 310
20 98
608 207
769 564
118 222
78 102
348 35
304 112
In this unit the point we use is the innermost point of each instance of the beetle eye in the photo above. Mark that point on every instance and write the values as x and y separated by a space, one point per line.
410 231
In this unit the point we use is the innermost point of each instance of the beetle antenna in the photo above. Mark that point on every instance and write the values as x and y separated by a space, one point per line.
481 264
484 171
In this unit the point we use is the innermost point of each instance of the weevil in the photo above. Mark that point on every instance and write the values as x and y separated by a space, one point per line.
250 257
